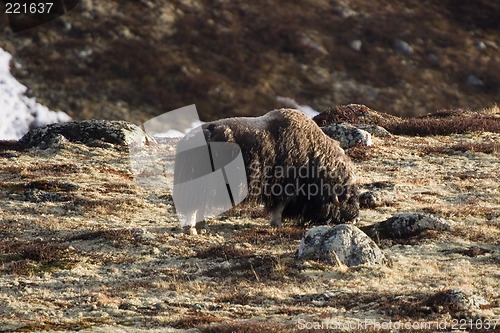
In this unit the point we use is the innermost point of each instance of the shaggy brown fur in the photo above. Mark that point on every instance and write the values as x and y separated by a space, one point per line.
284 151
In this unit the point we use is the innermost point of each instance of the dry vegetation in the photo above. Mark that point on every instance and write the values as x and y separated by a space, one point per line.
133 60
438 123
85 248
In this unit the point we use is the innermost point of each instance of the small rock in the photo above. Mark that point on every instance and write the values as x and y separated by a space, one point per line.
406 225
474 81
8 154
141 235
403 47
368 200
356 45
127 306
481 45
200 306
347 135
341 244
457 300
432 58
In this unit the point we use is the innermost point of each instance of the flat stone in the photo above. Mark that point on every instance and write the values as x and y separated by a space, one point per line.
406 225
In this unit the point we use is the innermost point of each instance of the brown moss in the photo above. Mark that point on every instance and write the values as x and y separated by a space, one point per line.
255 268
443 126
360 153
259 50
29 257
441 123
225 251
9 145
476 147
192 320
118 237
267 235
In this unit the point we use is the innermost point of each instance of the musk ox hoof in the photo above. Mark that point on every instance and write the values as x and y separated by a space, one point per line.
188 230
200 228
276 223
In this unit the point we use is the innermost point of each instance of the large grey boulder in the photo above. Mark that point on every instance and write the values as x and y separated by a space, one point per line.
347 135
341 244
88 132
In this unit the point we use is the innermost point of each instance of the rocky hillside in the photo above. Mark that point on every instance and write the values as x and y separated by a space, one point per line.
85 248
133 60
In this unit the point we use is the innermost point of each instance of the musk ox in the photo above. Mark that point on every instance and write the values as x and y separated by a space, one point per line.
291 167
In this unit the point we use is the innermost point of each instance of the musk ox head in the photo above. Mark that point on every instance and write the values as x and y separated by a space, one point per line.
291 167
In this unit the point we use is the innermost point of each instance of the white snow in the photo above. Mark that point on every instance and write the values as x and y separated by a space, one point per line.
18 112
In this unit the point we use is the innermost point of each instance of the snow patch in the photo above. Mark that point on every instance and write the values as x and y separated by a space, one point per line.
19 113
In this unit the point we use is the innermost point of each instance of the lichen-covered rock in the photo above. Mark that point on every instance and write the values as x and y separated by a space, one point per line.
454 300
342 244
347 135
374 130
88 132
406 225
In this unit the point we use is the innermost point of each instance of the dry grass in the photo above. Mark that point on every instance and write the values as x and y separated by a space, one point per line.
120 238
224 252
226 77
256 268
360 153
50 325
439 123
266 235
475 147
115 251
22 257
245 327
195 319
9 145
430 126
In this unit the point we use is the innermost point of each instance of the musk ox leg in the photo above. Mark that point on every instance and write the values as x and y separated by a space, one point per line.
189 224
276 215
191 227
